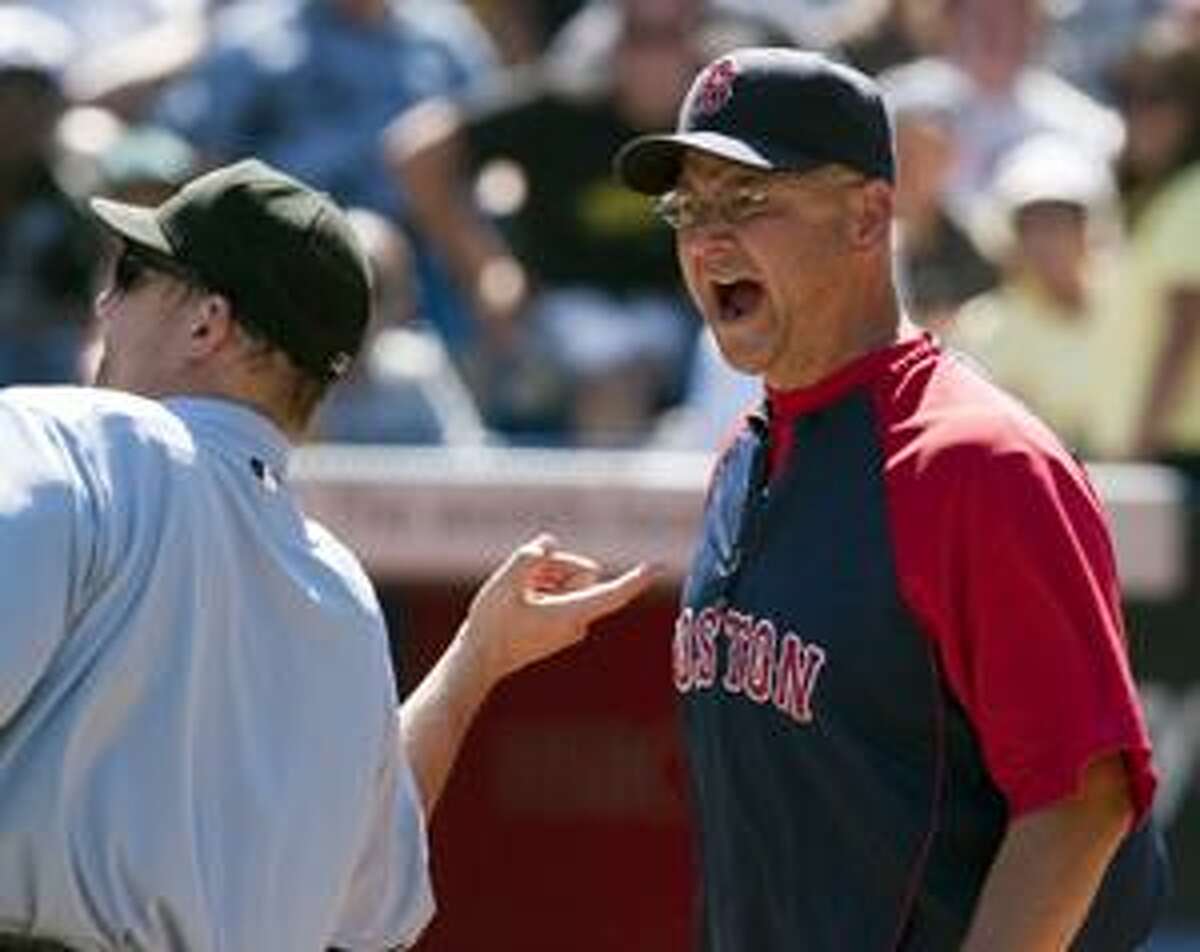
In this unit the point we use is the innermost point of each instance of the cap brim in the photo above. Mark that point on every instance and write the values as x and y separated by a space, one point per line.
135 223
651 164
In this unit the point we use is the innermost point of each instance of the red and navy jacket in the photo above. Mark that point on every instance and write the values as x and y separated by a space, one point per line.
901 630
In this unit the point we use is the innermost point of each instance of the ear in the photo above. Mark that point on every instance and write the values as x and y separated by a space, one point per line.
874 207
209 326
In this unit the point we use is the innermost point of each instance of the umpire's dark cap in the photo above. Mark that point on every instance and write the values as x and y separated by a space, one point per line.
283 253
770 108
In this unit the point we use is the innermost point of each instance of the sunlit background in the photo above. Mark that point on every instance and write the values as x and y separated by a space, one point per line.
534 362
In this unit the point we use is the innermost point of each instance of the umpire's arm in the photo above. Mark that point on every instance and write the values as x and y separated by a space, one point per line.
540 601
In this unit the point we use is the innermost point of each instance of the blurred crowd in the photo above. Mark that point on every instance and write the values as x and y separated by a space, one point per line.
1048 194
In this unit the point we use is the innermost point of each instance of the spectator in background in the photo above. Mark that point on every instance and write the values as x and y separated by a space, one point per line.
309 86
906 30
403 388
1150 352
584 333
1185 17
47 248
1157 86
814 24
999 96
1084 38
521 29
97 24
585 43
127 75
586 39
1035 333
939 265
127 48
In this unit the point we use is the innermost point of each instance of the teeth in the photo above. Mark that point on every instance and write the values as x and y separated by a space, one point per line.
723 287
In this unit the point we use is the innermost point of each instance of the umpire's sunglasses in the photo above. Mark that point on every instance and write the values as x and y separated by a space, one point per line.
134 265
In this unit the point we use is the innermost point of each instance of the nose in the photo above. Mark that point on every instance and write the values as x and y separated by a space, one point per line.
706 243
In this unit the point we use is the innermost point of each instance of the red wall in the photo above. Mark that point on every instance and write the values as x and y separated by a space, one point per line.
564 825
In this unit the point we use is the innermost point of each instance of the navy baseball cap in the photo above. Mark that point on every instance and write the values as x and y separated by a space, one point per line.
283 253
771 108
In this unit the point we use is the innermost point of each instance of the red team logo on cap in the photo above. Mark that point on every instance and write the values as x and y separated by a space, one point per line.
717 87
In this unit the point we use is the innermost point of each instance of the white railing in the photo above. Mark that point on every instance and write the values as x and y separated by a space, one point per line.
428 514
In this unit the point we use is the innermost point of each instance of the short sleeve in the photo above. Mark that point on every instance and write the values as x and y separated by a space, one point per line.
390 898
1030 632
39 549
216 105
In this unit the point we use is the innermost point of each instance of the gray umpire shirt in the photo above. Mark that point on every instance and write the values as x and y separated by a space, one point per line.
199 743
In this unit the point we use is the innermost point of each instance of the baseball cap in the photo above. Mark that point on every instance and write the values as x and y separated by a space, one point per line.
282 252
771 108
1049 168
33 41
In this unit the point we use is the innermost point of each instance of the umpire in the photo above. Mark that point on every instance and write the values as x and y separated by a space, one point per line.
199 741
909 715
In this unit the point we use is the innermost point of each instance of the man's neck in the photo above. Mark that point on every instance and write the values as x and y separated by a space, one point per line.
866 322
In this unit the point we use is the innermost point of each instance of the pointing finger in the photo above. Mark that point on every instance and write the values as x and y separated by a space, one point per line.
603 598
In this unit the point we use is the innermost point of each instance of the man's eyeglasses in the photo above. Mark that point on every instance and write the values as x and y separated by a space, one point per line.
684 210
134 265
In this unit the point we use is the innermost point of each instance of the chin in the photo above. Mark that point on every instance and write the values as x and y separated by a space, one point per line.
110 378
738 354
741 359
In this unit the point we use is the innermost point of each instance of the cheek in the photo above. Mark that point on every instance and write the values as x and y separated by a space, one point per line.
799 264
114 325
687 269
778 255
818 250
133 330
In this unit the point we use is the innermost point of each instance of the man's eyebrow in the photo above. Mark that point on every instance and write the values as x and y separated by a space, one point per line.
731 180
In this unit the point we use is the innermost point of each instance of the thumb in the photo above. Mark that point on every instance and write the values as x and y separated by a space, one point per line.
526 558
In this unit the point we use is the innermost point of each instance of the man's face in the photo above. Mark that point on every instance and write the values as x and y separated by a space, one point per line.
144 327
656 56
772 278
1052 242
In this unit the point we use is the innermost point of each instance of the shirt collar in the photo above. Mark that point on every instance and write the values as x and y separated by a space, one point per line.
791 404
230 427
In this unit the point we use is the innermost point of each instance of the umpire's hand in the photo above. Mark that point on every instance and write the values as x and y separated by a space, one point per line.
541 600
538 602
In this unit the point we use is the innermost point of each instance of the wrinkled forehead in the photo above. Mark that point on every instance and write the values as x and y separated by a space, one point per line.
706 173
702 171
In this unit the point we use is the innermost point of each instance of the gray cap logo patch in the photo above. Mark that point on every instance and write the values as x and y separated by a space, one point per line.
716 89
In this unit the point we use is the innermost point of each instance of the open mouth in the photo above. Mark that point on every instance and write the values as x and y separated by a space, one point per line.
736 299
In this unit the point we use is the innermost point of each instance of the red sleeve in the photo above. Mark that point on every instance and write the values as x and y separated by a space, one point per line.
1004 556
